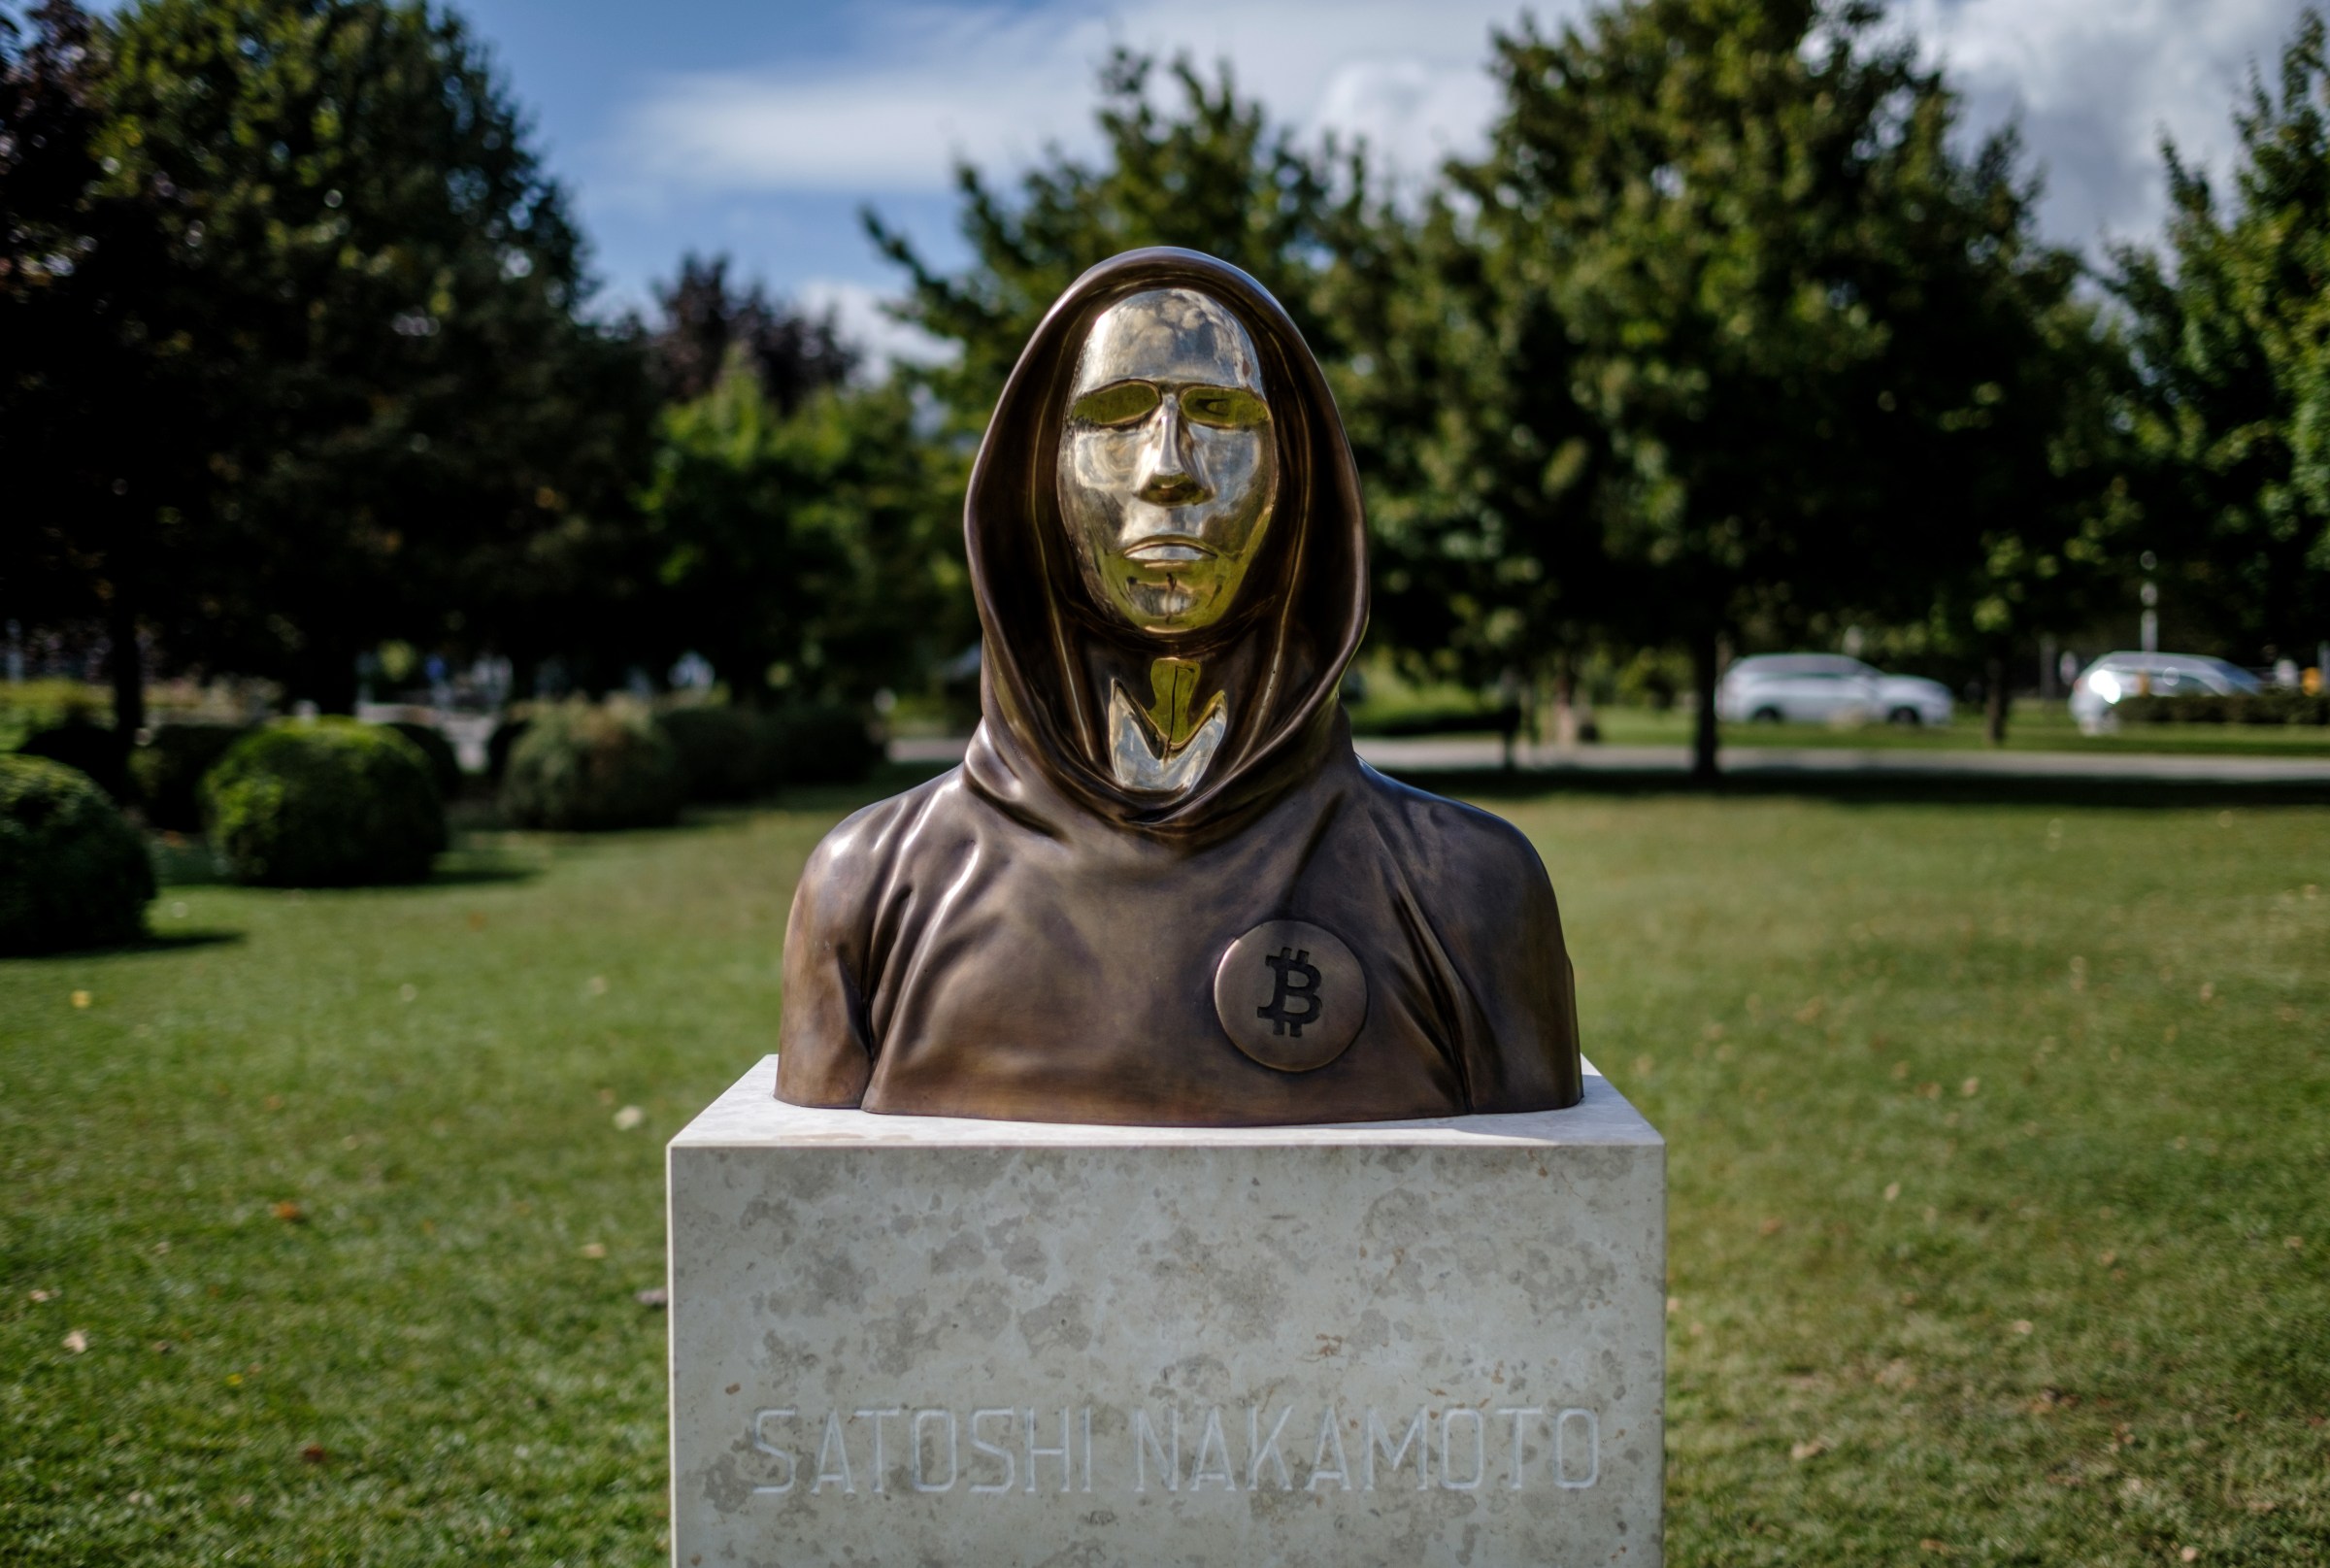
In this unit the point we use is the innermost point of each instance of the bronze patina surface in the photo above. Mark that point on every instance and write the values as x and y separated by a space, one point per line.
1161 889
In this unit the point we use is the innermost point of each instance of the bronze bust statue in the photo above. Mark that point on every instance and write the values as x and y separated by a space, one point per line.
1161 890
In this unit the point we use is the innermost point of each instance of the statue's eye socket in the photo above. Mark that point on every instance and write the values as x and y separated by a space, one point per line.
1226 408
1120 403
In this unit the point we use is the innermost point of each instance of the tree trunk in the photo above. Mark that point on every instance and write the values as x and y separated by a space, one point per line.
1994 699
1703 768
125 663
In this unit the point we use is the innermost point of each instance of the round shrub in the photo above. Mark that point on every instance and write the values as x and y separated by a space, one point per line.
92 749
168 770
822 743
724 751
72 872
324 803
444 763
581 768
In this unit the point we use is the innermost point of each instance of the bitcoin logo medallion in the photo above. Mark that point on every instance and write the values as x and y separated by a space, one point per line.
1290 995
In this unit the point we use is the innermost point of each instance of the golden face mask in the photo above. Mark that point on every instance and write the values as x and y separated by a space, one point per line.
1168 468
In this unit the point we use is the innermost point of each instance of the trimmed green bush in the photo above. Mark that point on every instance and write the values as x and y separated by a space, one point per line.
325 803
2276 705
444 763
168 770
581 768
822 743
72 872
92 749
724 751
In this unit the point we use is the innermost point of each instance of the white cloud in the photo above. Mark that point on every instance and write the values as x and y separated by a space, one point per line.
2095 83
865 325
998 84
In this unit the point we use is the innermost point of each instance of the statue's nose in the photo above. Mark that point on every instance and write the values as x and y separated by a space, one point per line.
1169 475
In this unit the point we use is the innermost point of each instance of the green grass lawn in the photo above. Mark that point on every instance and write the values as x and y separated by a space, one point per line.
1999 1145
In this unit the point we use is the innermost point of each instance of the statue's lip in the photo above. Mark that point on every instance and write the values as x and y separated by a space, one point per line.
1169 548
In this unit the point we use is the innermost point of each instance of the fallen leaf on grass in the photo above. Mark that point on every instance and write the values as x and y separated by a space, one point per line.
629 1117
656 1297
315 1454
594 1249
289 1212
76 1342
1812 1448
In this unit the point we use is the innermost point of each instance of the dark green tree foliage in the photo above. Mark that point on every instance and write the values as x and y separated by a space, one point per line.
809 554
72 872
1214 177
324 803
2231 328
1483 472
348 344
92 444
1781 294
704 323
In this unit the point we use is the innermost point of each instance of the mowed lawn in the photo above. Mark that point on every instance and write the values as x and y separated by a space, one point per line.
1999 1141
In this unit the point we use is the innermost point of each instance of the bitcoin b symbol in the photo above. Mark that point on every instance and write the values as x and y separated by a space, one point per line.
1295 1031
1298 981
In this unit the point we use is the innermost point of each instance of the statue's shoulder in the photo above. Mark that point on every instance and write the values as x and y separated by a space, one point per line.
1460 840
864 849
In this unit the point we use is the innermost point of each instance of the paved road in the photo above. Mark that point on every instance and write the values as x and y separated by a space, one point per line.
1417 756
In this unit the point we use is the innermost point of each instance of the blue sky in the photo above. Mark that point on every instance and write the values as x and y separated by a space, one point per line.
761 129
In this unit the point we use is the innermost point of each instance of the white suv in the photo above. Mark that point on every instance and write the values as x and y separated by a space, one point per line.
1826 688
2115 675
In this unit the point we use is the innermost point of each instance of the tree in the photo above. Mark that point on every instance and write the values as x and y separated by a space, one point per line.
1483 473
1215 177
802 553
2231 330
92 544
793 354
354 343
1778 285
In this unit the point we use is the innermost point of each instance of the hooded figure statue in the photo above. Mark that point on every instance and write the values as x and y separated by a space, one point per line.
1161 890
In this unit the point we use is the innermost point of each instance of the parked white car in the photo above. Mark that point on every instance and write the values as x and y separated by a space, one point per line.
1826 688
2115 677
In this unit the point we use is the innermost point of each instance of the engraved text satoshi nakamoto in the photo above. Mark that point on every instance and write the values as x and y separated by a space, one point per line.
1028 1451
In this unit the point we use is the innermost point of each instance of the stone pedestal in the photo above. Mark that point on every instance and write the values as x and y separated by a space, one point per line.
904 1339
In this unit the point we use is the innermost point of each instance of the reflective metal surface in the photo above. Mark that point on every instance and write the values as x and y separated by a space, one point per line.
1161 889
1167 467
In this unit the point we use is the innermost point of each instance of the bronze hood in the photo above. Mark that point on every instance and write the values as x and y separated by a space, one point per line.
1047 654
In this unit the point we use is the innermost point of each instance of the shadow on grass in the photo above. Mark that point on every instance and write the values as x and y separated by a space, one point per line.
465 868
153 942
1868 788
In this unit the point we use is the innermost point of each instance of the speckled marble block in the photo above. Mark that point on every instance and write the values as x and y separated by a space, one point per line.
908 1340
